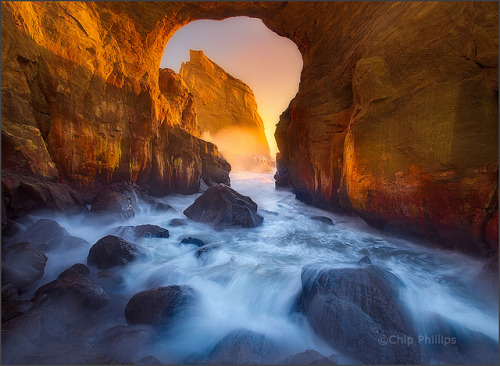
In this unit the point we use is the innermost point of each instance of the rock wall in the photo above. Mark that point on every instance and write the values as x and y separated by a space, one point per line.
396 117
226 111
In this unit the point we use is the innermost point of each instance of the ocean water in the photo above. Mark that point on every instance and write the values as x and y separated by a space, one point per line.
251 277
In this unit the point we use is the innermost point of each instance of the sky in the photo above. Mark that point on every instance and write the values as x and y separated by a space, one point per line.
245 48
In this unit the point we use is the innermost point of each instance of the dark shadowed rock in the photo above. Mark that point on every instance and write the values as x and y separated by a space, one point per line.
142 231
160 305
177 222
72 291
12 309
112 251
243 347
75 269
109 280
193 241
309 357
9 292
126 343
365 260
51 235
11 228
464 346
323 219
112 205
353 308
223 207
22 264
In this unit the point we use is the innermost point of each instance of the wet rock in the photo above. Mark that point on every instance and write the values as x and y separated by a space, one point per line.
160 305
11 228
75 269
74 291
111 205
353 308
203 251
203 186
323 219
53 235
448 342
112 251
28 325
142 231
309 357
224 207
109 280
365 260
161 206
9 292
16 347
22 265
126 343
243 347
177 222
193 241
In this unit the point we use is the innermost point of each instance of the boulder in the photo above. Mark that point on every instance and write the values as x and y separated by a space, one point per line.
142 231
112 251
355 310
11 229
51 235
113 205
224 207
194 241
12 309
243 347
450 343
74 291
365 260
22 265
323 219
75 269
160 305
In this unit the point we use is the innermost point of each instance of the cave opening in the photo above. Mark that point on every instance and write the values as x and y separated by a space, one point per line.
242 76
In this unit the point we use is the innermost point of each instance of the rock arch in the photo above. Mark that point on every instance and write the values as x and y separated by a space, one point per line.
395 118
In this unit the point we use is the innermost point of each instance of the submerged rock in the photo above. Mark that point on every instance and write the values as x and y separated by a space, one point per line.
224 207
323 219
194 241
177 222
309 357
160 305
355 310
112 251
365 260
22 264
109 280
50 235
243 347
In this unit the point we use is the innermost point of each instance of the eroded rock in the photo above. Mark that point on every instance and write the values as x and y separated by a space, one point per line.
223 207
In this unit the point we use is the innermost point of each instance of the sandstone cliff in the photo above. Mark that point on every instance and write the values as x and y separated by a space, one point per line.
396 117
226 112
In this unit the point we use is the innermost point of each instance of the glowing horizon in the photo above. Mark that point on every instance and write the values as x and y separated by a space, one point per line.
245 48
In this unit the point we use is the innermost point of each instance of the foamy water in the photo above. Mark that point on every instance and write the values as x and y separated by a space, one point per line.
252 278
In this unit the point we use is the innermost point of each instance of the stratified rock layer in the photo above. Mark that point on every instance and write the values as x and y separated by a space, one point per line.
396 117
227 111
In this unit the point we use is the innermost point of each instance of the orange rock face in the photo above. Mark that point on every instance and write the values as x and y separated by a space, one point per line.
396 117
227 113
